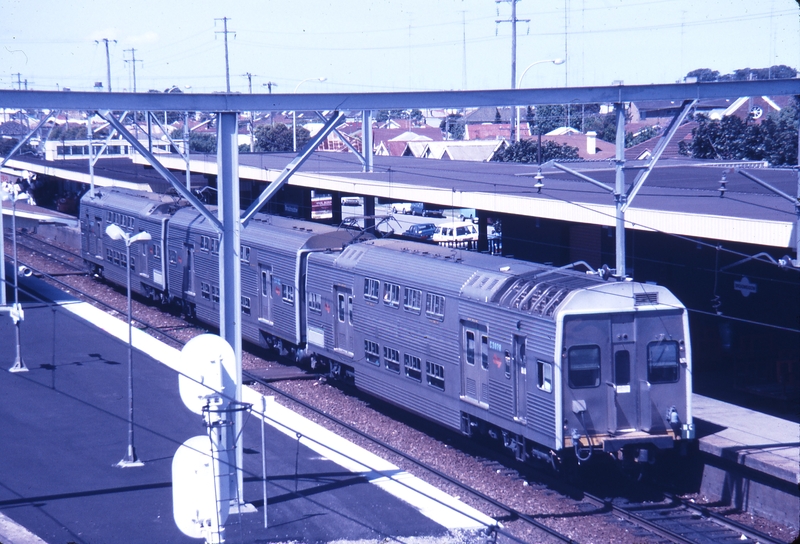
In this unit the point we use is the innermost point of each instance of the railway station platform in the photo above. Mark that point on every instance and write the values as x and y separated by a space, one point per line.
65 426
751 461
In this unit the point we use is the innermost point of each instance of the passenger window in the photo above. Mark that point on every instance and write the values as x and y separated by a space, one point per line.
662 362
372 352
470 336
391 294
584 366
544 376
622 367
371 288
341 309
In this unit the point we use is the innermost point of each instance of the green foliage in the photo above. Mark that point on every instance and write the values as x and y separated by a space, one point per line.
202 142
528 151
453 126
416 117
385 115
68 132
773 140
278 138
774 72
551 117
7 144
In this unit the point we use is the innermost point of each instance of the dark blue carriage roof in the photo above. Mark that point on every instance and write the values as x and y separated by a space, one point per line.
138 203
281 233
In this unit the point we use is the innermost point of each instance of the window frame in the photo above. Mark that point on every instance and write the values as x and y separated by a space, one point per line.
372 289
673 366
413 367
435 375
391 359
435 306
573 372
372 352
391 294
412 303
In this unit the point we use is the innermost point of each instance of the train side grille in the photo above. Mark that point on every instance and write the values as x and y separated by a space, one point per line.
641 299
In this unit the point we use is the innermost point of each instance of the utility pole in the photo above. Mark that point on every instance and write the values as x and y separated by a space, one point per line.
225 31
249 77
108 60
513 20
133 62
19 80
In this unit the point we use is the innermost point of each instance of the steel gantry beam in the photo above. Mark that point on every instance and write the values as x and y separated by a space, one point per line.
402 100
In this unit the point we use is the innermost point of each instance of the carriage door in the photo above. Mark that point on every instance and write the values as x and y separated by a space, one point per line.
188 269
96 238
622 397
343 323
265 301
520 373
474 363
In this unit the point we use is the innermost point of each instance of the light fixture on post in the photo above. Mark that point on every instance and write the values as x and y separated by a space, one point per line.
294 112
17 315
115 232
519 83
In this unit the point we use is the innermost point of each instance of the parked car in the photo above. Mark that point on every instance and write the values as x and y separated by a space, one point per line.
423 231
415 208
462 231
402 207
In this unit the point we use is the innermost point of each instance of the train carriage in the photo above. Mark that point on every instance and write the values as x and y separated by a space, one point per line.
547 360
272 256
133 212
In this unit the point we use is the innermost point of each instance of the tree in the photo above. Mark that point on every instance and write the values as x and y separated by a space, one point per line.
7 144
773 140
453 126
528 151
199 142
278 138
416 117
774 72
704 74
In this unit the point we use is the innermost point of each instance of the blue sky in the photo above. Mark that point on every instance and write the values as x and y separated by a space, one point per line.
388 45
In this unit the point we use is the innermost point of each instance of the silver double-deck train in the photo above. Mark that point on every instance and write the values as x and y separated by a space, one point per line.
553 362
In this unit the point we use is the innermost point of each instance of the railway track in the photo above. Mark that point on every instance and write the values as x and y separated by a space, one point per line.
672 520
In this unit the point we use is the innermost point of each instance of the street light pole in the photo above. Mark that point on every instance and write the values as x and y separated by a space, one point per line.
519 83
16 311
116 233
294 113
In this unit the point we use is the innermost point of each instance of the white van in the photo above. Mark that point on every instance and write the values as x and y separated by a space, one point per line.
461 231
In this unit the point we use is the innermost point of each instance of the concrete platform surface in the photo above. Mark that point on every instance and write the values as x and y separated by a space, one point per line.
765 443
64 427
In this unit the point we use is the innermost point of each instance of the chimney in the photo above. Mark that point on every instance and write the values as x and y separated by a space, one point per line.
591 142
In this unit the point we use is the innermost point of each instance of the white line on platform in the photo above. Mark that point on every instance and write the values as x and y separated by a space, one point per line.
430 501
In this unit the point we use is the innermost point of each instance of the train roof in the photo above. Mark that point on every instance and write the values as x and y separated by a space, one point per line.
140 203
275 231
530 288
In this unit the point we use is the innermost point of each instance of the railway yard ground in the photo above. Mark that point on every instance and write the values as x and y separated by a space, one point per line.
68 490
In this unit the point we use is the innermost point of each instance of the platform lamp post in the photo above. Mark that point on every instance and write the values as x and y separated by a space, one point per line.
16 310
294 113
116 233
519 83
